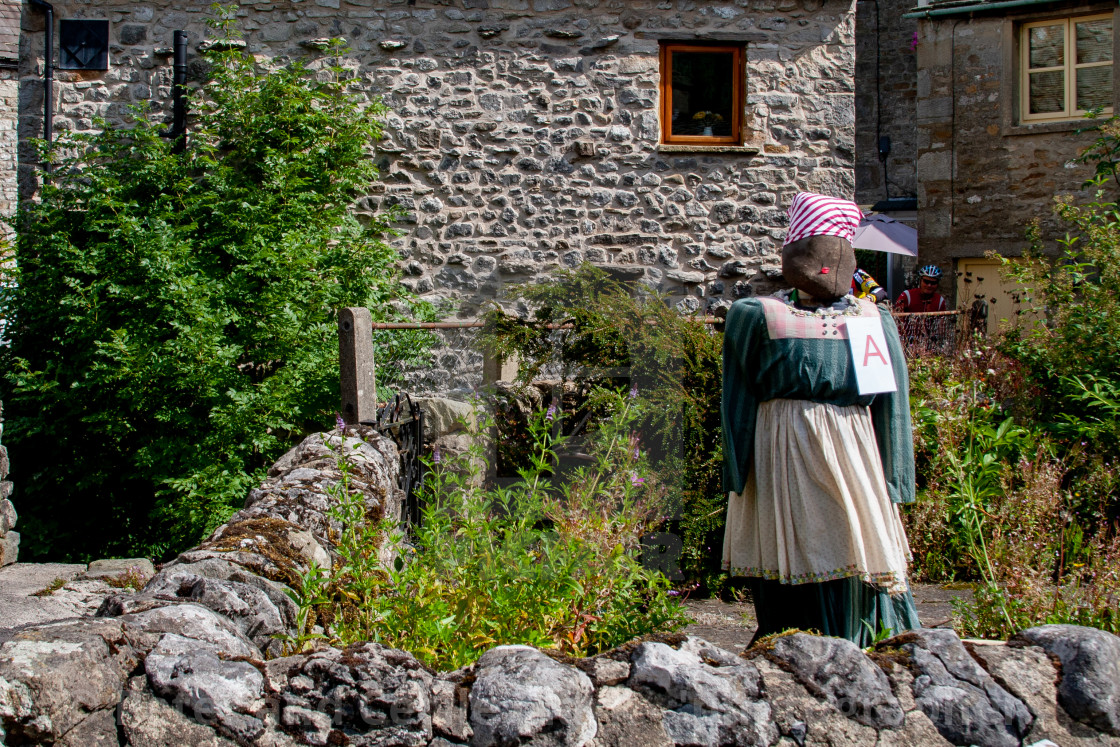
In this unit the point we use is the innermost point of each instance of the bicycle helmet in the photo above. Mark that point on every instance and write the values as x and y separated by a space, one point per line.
930 271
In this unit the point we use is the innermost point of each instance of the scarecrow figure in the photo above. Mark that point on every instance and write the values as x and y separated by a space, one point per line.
814 467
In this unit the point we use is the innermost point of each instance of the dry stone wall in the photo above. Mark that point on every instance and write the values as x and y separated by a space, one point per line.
524 135
193 660
9 538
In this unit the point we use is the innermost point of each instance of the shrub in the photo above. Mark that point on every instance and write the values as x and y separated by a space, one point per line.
172 318
623 335
538 563
1018 443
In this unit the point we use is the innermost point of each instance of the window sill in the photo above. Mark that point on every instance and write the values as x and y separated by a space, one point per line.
743 150
1045 128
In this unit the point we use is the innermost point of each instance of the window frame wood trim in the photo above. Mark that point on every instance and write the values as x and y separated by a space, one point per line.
738 88
1069 68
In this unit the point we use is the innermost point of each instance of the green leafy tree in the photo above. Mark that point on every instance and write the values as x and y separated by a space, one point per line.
172 315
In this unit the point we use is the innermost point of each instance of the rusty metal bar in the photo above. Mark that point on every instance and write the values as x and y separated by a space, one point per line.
925 314
467 325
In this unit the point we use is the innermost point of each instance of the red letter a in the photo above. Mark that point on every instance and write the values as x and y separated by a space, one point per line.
871 346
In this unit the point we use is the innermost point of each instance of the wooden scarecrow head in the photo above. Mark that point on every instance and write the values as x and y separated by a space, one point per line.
817 258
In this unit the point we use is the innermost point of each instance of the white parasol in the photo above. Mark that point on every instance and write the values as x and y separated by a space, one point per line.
880 233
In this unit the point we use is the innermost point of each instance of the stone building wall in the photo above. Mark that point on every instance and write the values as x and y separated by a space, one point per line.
982 174
9 116
524 135
9 105
886 85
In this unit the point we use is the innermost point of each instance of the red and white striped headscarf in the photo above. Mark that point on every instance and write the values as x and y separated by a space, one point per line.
811 214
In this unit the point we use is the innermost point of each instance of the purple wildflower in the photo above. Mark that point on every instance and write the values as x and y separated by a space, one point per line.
634 392
635 480
673 593
551 411
435 455
339 422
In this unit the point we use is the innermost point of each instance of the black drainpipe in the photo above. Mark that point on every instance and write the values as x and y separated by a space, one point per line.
178 93
48 74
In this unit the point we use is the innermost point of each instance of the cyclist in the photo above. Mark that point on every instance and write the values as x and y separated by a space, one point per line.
926 298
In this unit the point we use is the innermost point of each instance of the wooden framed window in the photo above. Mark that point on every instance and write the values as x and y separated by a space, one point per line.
1065 68
701 93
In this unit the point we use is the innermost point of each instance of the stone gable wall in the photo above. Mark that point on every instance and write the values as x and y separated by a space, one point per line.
524 135
982 175
9 116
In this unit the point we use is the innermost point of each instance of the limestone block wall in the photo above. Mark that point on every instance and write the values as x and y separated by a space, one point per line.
524 135
982 174
886 87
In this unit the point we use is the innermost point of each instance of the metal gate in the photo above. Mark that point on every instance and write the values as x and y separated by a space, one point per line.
402 420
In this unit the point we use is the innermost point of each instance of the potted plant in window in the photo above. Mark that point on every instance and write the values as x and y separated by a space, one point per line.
707 120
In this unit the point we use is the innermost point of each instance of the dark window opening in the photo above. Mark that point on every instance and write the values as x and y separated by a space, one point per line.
702 94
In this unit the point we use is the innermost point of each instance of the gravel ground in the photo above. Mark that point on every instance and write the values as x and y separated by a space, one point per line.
731 625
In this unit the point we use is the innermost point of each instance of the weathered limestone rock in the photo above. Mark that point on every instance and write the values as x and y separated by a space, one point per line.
9 546
112 568
295 499
450 697
194 622
520 696
366 688
9 539
962 700
149 721
704 704
1029 673
1090 684
61 679
805 718
180 581
246 606
837 670
626 718
190 674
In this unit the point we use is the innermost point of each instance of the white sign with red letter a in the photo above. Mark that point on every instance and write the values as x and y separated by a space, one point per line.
870 355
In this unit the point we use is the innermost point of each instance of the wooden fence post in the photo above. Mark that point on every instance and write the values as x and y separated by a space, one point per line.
357 377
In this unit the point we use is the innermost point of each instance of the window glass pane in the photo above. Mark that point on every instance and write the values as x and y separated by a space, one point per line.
1047 46
702 93
1048 92
1094 41
1094 87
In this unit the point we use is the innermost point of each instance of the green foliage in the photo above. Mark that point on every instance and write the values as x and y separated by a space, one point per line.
172 317
536 563
1104 153
616 334
1018 444
1079 298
